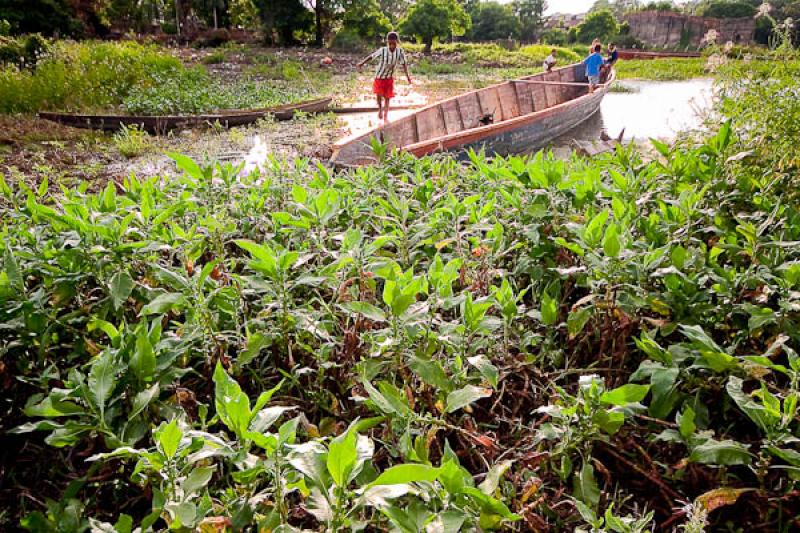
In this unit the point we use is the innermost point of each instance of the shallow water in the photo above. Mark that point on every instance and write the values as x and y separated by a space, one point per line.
654 110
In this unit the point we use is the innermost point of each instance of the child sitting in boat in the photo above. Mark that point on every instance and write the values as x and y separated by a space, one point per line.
550 61
593 64
388 58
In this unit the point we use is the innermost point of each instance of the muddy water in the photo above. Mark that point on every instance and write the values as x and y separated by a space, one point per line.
405 96
653 109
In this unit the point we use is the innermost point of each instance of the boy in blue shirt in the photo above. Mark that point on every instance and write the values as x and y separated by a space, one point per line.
593 64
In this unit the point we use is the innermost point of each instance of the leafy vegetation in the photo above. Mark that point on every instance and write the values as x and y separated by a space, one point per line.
662 69
134 78
435 19
419 345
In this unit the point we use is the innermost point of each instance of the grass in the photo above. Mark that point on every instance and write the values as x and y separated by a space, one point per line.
134 78
132 142
670 69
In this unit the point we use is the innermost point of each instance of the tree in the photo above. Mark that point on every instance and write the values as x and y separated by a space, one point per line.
724 10
244 13
282 19
531 17
435 19
365 19
492 21
555 36
394 9
49 17
597 25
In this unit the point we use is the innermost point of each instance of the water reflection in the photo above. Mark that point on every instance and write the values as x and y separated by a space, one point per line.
652 110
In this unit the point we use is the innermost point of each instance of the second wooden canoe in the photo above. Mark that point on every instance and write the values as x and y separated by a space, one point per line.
526 114
164 123
642 54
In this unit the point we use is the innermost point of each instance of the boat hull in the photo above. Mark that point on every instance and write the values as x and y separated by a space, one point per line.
525 137
164 123
526 115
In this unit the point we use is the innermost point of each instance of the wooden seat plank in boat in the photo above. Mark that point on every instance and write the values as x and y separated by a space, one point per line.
528 113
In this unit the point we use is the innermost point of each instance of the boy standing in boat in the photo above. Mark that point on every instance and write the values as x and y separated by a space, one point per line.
593 64
388 58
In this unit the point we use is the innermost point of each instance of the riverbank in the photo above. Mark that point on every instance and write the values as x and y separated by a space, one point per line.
31 149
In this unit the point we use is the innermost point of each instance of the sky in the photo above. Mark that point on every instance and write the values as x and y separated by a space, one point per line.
568 6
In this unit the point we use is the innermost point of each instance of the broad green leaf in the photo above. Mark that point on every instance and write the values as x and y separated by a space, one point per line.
608 420
489 485
12 270
121 287
611 244
585 486
464 396
53 408
366 309
406 473
722 453
431 372
686 425
198 479
624 395
163 303
102 378
577 320
264 419
255 343
143 399
342 456
169 438
380 400
594 229
309 458
188 165
143 360
763 418
549 309
486 368
233 405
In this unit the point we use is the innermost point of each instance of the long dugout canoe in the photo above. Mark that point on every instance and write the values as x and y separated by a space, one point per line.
164 123
525 114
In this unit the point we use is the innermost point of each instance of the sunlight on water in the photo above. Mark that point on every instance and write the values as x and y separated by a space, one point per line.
654 110
256 157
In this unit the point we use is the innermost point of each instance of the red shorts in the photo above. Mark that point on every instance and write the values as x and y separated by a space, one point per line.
383 87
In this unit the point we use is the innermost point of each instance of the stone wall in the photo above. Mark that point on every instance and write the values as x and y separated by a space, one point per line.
676 30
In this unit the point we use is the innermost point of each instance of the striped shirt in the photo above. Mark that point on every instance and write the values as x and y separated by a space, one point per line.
387 61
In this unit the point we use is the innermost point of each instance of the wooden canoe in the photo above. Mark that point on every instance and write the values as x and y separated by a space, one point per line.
164 123
528 113
641 54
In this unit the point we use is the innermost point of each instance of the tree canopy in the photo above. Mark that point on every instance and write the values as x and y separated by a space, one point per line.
492 21
722 10
597 25
435 19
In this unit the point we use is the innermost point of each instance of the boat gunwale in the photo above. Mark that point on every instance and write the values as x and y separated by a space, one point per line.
337 146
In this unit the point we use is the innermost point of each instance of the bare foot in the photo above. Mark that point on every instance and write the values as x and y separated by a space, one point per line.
380 114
